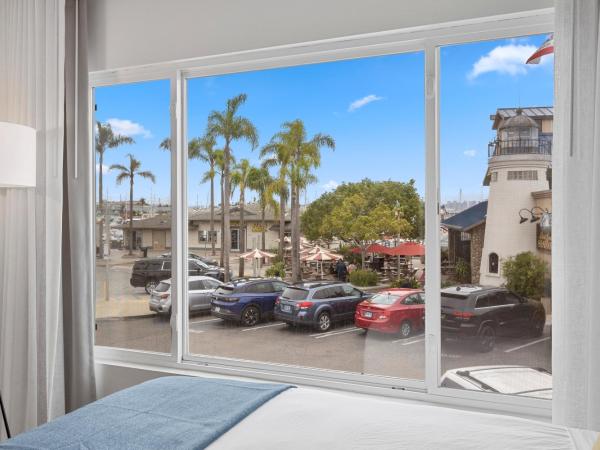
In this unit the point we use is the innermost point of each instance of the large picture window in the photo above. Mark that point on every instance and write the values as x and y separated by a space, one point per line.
363 215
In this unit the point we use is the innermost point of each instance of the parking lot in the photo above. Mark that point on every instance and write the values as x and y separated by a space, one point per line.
345 347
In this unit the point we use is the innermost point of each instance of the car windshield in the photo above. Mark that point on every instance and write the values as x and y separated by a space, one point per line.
294 293
384 298
163 287
224 290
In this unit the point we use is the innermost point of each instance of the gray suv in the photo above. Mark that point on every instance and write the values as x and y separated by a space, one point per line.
318 304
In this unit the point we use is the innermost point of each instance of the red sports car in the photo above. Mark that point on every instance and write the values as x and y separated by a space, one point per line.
400 311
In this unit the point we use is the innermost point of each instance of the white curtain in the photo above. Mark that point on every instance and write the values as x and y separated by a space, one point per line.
46 321
576 250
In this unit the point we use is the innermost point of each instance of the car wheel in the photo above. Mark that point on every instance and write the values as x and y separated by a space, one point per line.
487 339
150 286
323 322
250 316
537 325
405 329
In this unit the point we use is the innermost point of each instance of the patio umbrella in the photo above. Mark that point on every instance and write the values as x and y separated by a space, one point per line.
256 255
408 249
374 248
320 256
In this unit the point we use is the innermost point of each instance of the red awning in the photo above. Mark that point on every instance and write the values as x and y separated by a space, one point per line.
408 249
374 248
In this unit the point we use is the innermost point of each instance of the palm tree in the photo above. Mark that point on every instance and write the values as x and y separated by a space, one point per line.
204 149
304 155
240 177
106 139
231 127
275 154
129 173
261 181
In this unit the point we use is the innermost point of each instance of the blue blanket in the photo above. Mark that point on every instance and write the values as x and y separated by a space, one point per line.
165 413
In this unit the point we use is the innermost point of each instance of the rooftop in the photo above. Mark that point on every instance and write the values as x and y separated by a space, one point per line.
467 219
535 112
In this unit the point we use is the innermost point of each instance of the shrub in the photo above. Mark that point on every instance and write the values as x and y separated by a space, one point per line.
363 278
463 271
276 270
404 282
525 274
348 255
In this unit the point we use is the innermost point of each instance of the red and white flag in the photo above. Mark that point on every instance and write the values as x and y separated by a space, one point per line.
545 49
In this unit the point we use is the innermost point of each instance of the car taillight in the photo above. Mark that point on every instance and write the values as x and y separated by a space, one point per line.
304 305
277 300
164 296
463 315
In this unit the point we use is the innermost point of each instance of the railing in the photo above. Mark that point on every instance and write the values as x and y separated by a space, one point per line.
519 147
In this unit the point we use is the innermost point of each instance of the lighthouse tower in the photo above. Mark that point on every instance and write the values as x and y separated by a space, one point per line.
518 161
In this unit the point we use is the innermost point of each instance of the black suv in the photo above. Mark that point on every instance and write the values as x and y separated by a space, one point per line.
482 313
318 304
147 273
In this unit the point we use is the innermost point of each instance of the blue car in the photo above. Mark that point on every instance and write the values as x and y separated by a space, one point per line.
246 300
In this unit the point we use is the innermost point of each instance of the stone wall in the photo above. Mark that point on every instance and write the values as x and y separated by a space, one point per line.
477 235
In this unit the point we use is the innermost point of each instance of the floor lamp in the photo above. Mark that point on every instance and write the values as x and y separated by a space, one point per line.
17 171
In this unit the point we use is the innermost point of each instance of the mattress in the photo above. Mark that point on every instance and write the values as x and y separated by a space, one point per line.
307 418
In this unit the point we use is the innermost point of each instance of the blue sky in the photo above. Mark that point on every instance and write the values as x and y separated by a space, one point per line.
372 107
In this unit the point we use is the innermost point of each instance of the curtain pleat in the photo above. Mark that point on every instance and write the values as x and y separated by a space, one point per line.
46 308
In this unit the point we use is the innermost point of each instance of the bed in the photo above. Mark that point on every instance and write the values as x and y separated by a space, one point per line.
196 413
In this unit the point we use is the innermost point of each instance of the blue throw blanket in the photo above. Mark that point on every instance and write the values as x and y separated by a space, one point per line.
165 413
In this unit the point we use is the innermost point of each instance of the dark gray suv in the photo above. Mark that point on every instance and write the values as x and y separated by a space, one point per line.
318 304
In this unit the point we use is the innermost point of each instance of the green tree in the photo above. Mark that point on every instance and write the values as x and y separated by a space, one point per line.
302 155
274 154
355 221
401 197
261 181
129 173
240 178
231 127
203 148
525 274
106 139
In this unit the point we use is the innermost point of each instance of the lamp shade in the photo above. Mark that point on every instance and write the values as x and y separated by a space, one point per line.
17 156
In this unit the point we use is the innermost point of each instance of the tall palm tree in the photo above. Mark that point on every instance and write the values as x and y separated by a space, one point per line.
304 155
219 163
276 154
240 177
105 139
230 127
204 149
129 173
261 181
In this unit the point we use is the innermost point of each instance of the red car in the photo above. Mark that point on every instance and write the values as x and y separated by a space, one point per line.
399 311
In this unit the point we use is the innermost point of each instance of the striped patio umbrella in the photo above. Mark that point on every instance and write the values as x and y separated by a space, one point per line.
256 256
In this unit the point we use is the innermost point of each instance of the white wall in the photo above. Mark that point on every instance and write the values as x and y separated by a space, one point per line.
134 32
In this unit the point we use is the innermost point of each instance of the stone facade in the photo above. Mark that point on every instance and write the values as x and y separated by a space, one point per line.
477 239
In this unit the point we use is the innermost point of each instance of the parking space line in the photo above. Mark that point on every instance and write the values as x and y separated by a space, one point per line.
334 333
205 320
264 326
526 345
405 342
196 331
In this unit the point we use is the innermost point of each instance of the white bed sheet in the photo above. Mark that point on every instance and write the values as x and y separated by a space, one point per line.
305 418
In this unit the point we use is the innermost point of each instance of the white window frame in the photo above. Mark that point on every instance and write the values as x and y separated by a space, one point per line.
428 39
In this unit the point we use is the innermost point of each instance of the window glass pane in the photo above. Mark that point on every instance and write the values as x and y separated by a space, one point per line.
354 192
133 216
496 115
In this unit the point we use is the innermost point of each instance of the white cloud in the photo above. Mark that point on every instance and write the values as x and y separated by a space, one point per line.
129 128
356 104
470 153
507 60
105 168
331 185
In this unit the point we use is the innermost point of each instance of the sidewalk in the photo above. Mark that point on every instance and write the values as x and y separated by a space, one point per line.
119 309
